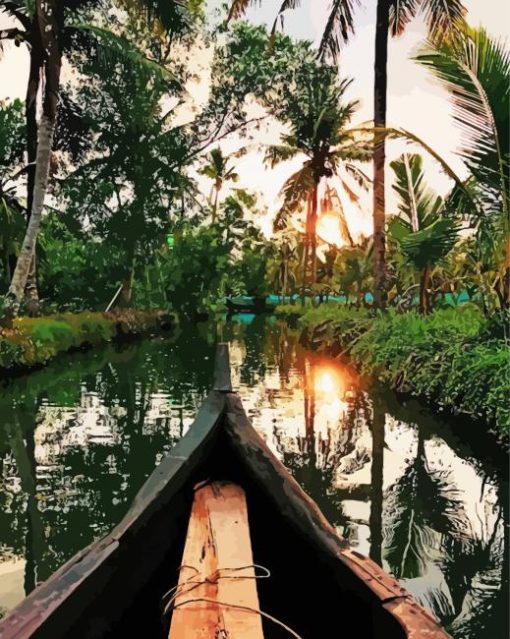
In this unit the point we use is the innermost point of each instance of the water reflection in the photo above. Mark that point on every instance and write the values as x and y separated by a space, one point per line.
78 441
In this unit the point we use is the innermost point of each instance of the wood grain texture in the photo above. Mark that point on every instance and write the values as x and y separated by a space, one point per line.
370 581
217 566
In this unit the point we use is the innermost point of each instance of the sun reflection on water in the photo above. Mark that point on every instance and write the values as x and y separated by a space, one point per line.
329 388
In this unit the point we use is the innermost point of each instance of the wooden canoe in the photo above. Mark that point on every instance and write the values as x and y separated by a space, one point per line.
114 588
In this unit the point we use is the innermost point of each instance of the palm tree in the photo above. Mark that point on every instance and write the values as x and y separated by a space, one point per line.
45 31
284 279
219 171
392 18
475 68
354 271
317 120
423 230
21 12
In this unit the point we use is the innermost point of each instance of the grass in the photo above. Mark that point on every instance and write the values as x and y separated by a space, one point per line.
455 357
35 341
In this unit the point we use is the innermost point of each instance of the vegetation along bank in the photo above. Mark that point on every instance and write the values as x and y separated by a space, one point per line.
456 358
34 341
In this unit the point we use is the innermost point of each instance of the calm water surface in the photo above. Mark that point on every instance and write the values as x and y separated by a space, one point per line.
78 439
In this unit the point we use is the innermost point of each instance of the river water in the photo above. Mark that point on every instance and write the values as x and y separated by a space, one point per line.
424 497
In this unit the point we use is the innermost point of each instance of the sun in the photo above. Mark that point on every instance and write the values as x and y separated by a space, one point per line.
329 229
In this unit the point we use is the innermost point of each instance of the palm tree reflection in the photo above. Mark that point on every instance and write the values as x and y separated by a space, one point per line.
332 409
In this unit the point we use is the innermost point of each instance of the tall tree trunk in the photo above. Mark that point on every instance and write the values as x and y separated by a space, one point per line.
424 290
313 233
48 23
285 279
31 292
310 257
380 91
36 60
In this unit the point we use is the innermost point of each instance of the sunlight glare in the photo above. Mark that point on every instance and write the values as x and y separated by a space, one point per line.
329 230
328 382
325 383
329 390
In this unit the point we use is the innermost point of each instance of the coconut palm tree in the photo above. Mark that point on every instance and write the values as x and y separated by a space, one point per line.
47 26
317 117
284 278
353 271
423 230
475 68
392 18
220 172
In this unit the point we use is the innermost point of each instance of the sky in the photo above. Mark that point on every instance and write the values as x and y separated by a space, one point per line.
416 101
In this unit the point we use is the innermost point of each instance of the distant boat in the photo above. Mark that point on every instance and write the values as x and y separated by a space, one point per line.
288 573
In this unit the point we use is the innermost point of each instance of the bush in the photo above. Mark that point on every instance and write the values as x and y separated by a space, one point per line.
34 341
451 356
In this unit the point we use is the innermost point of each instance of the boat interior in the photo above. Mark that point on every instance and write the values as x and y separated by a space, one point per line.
306 590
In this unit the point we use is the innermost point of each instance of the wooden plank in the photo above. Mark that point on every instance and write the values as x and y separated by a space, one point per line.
222 381
45 612
279 487
217 566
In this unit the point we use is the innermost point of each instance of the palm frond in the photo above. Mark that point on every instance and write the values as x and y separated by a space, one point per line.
285 6
239 7
431 244
403 134
399 228
176 17
354 151
401 14
416 201
299 185
360 177
112 49
339 27
443 17
22 10
295 192
333 203
279 153
475 68
72 133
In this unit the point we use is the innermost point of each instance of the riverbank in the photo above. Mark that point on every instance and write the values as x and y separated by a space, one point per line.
33 341
455 358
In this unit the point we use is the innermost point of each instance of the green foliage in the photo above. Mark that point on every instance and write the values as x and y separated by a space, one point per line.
12 135
450 356
475 68
430 244
422 230
34 341
76 271
331 313
207 264
12 213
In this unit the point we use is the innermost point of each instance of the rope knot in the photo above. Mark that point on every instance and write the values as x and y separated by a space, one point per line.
194 581
213 578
